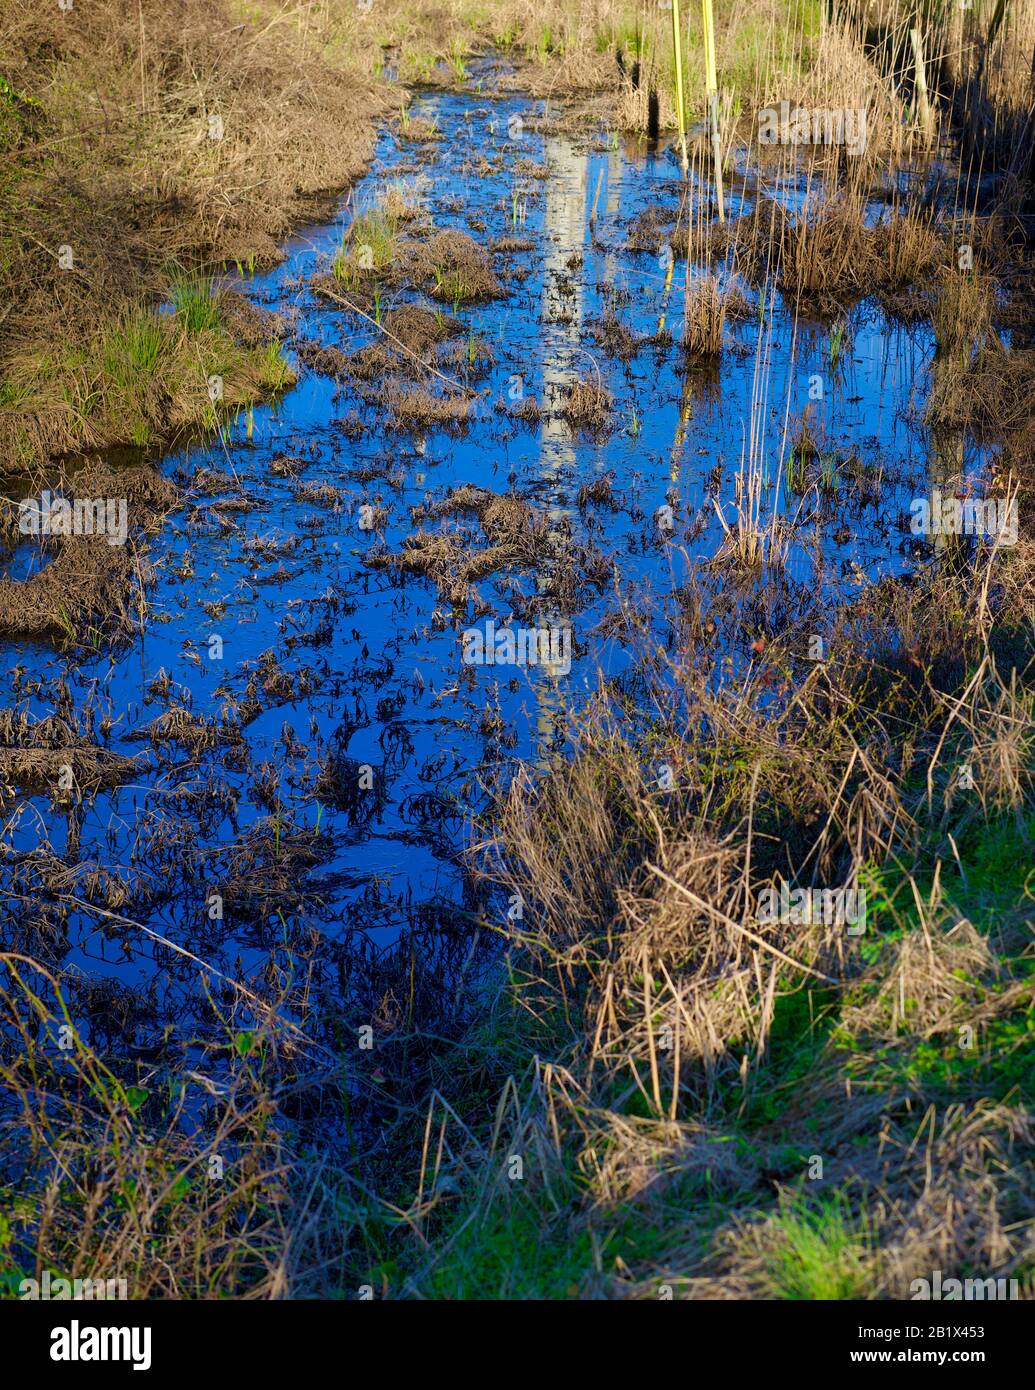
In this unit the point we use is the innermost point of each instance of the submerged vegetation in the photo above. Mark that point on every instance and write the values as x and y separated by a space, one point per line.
336 964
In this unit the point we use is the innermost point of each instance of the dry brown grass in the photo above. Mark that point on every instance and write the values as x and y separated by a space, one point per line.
638 864
829 254
420 410
588 406
90 590
704 319
144 1194
454 269
35 753
517 538
109 153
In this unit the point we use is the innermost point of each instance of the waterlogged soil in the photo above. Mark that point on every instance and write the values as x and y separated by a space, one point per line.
281 770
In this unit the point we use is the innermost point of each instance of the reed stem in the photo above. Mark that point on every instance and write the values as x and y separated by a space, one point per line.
677 48
712 84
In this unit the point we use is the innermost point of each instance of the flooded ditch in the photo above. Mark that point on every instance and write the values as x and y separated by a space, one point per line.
282 769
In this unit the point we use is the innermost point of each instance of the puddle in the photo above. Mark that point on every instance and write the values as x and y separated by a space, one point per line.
266 620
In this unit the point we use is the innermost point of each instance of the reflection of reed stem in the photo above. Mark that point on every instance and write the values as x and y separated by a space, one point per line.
596 199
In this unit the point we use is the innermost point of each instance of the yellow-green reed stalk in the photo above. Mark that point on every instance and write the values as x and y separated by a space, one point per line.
677 49
712 84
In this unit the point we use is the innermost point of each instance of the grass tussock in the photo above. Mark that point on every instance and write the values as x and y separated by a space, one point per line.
588 406
830 254
704 319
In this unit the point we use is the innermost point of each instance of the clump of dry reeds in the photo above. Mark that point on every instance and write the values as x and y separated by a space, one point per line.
518 538
588 405
704 319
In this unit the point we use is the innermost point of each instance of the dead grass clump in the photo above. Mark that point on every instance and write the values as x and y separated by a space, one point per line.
1001 717
407 335
91 588
266 873
821 253
47 756
248 324
614 337
418 329
962 312
970 1208
322 495
328 361
991 395
420 410
402 203
904 248
433 556
746 243
668 895
511 245
827 254
588 406
600 491
504 518
528 411
517 536
416 130
197 733
454 269
704 319
373 362
808 439
928 986
651 229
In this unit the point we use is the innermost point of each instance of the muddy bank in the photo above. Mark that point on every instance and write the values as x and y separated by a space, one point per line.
139 145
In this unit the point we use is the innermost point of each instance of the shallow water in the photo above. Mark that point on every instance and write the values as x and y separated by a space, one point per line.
381 658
